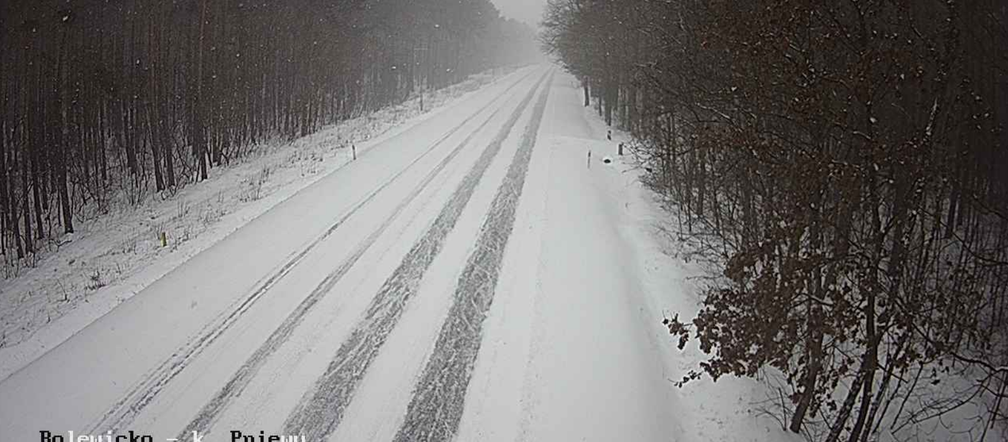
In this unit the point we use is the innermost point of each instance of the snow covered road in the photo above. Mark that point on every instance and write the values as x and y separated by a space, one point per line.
464 279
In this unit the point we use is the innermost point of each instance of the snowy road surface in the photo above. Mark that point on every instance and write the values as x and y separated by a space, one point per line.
465 279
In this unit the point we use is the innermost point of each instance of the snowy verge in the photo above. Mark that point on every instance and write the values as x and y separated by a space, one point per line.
114 255
732 409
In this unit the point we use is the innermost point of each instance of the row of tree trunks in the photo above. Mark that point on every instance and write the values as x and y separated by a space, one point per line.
98 97
844 163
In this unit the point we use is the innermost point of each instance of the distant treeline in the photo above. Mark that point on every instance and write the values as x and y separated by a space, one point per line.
848 162
98 95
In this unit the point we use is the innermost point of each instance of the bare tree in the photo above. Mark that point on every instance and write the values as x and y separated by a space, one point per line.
845 163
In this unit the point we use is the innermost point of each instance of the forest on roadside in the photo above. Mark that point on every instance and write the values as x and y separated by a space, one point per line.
846 164
100 98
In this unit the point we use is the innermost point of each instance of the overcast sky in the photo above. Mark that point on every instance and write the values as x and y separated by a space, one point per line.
528 11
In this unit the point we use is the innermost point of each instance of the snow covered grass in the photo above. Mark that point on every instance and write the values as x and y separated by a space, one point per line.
118 249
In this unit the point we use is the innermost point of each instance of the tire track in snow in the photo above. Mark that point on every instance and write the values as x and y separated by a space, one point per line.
237 383
141 394
321 408
438 399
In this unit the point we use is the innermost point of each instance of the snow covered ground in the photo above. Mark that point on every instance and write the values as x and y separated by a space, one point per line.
574 348
472 276
113 256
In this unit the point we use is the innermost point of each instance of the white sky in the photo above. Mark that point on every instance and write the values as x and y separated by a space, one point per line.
528 11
